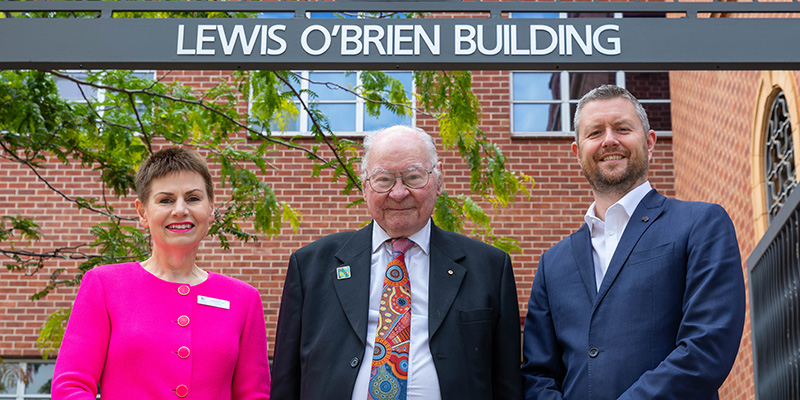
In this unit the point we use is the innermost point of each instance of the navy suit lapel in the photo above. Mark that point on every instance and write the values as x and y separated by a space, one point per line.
353 292
581 243
643 217
445 278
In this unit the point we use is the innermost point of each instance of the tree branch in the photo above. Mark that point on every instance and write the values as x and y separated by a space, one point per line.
49 186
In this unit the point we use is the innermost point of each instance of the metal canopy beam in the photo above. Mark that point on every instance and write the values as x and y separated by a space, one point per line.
490 40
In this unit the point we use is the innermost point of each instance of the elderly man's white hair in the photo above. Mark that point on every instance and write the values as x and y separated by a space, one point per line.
430 147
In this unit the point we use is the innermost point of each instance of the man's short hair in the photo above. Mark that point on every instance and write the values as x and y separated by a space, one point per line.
609 92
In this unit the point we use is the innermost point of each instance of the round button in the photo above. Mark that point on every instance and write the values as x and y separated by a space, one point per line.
184 352
354 362
181 391
183 320
183 290
593 352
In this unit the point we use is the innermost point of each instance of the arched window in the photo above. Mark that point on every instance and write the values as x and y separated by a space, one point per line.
779 166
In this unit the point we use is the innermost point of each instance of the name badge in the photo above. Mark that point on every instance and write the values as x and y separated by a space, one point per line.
212 302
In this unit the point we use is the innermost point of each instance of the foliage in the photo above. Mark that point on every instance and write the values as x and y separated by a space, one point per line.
113 133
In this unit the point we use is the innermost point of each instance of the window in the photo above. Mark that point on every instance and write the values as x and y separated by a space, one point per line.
74 92
345 109
543 104
39 376
779 164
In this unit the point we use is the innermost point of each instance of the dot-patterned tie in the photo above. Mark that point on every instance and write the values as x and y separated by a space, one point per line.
389 376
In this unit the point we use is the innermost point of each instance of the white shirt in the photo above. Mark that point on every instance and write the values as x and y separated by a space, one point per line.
606 234
423 382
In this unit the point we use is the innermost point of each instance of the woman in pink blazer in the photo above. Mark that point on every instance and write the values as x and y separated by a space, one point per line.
164 328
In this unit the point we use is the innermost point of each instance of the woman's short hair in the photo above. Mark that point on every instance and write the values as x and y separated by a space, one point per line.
170 161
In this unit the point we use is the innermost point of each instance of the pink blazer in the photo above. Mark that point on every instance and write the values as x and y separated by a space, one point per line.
139 337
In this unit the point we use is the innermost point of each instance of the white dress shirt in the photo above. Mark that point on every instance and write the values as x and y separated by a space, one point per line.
606 234
423 382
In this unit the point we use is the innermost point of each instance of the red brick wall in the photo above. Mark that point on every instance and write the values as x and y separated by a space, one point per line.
712 121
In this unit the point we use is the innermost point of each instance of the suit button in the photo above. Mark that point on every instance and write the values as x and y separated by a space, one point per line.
183 352
354 362
593 352
183 290
183 321
181 391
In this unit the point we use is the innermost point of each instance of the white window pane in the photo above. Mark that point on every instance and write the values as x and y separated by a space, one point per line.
292 125
340 116
325 93
537 118
387 118
42 375
406 78
532 86
69 90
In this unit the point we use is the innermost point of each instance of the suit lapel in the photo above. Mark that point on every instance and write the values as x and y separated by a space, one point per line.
581 243
643 217
353 292
445 278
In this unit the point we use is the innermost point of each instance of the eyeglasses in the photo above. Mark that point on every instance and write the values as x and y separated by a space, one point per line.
414 178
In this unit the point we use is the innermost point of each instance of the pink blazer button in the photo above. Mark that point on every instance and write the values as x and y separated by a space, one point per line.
183 320
183 290
181 391
184 352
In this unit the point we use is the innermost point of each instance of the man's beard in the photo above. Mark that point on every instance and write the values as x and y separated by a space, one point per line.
603 184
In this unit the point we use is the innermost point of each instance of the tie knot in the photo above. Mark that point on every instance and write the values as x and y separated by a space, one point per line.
402 245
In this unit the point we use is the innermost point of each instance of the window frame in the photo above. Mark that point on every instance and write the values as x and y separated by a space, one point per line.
564 101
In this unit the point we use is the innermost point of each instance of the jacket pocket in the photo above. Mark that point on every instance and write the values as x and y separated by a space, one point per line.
477 315
651 254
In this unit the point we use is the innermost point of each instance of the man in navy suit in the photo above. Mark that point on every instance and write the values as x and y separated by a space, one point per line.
464 320
645 300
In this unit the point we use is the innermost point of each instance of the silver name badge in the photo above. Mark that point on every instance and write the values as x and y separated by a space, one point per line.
212 302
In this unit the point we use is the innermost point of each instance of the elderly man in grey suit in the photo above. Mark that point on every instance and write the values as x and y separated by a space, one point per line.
400 309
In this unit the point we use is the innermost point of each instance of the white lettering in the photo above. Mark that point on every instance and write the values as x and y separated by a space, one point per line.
461 39
535 50
238 33
514 50
181 50
325 35
585 45
498 43
614 41
202 38
277 39
351 34
375 40
399 39
420 35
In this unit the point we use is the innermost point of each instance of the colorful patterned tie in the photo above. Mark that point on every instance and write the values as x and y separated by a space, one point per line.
389 374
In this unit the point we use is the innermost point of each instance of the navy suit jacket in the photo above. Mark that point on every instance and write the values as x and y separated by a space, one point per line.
473 319
666 322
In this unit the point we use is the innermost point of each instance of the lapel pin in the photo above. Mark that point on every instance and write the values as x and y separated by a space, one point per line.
343 272
645 219
449 272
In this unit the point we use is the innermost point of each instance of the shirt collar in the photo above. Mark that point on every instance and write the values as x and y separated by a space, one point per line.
421 238
629 202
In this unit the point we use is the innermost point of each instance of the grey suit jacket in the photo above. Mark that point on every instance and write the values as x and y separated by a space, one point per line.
474 321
